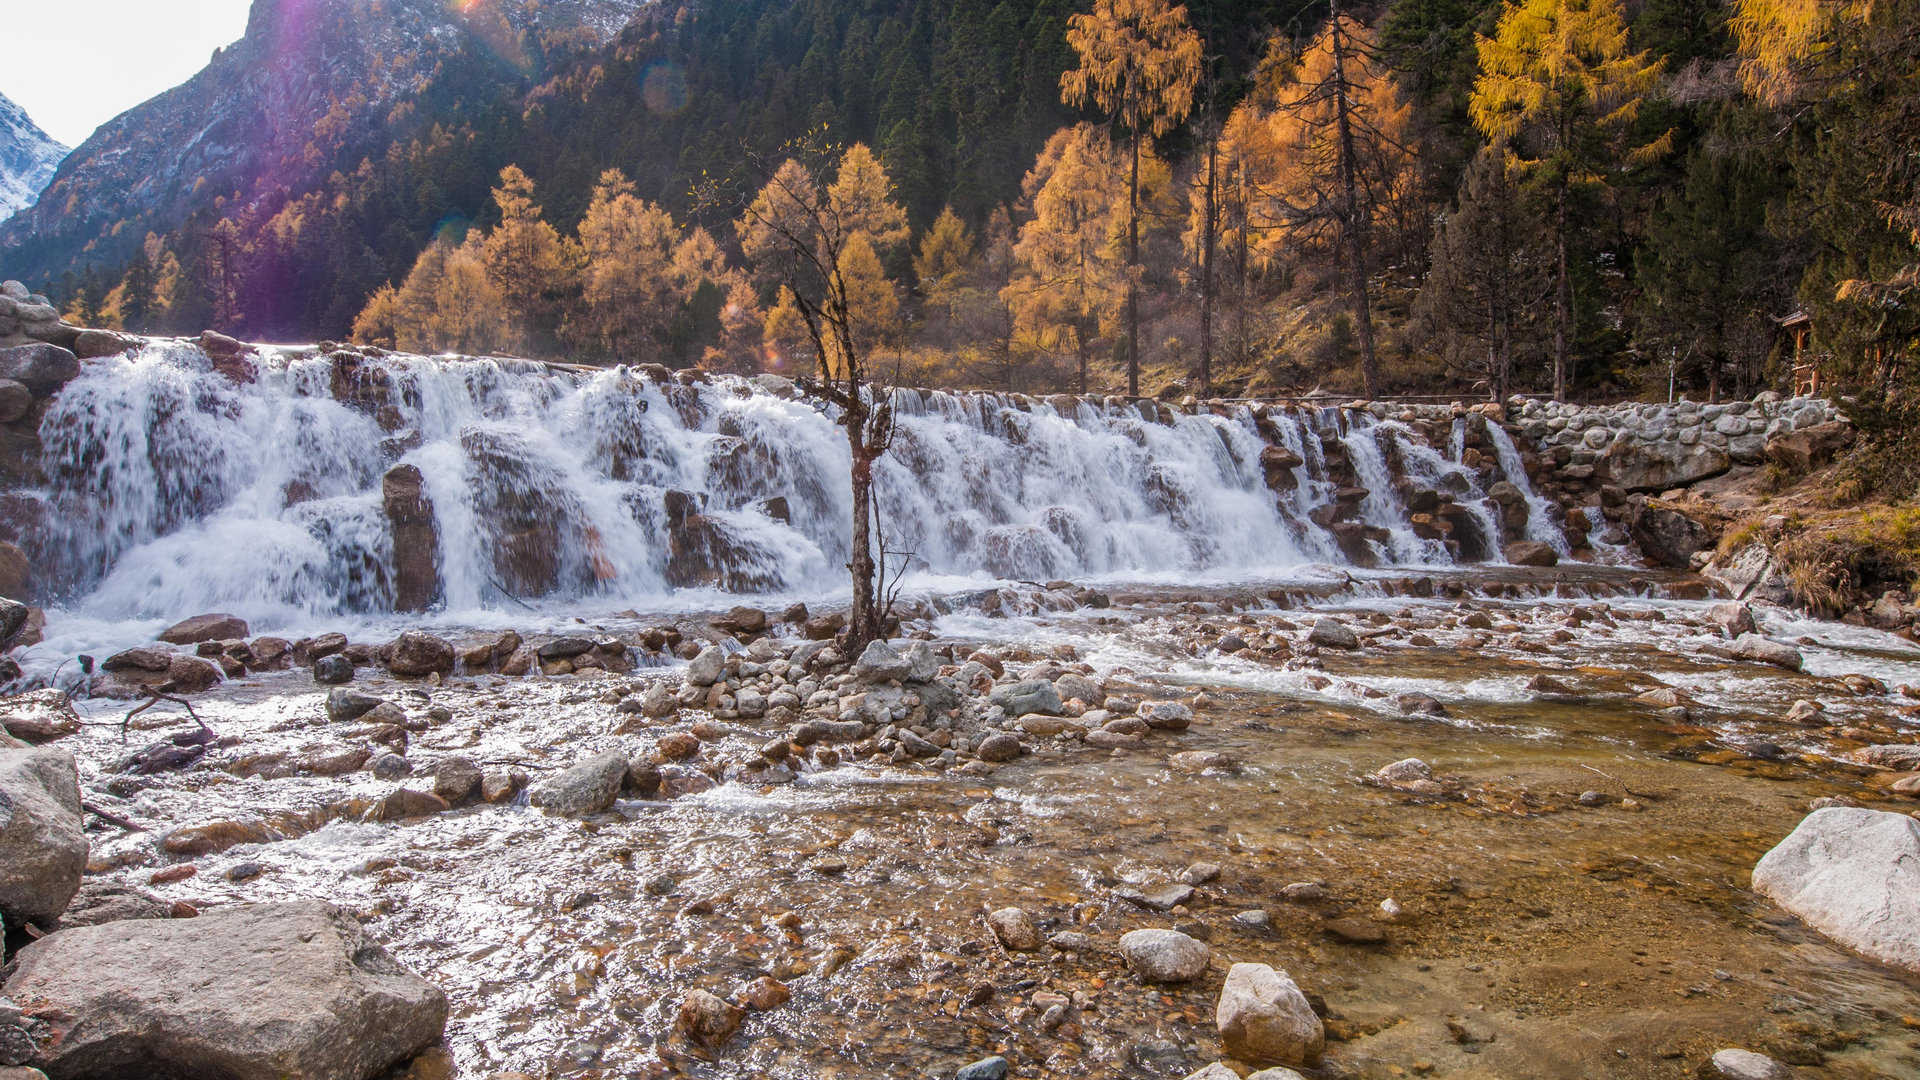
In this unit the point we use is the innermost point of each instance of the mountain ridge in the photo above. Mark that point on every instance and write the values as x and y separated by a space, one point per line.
28 158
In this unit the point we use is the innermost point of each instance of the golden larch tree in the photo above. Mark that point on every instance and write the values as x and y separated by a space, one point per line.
1559 93
1139 64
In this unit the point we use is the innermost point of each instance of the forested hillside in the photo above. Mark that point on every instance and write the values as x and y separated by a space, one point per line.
1573 196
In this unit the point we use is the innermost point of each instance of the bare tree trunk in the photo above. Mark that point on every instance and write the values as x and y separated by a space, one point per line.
1133 270
1354 220
1208 234
1562 297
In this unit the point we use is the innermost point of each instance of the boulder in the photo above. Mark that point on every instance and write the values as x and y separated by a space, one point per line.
15 401
1331 633
16 573
1810 447
587 788
41 368
418 653
205 628
1733 617
1164 956
879 663
1264 1018
290 991
705 668
1015 929
1854 875
1751 646
416 545
1747 1065
332 670
93 344
43 849
1030 696
344 705
456 778
39 716
1532 553
1643 466
1669 536
1000 747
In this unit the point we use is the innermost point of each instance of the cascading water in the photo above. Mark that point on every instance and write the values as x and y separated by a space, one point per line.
174 487
1540 524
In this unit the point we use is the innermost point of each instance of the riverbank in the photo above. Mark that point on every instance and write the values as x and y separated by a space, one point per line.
1561 893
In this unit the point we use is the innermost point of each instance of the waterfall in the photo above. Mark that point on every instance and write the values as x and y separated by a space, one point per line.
1540 526
174 487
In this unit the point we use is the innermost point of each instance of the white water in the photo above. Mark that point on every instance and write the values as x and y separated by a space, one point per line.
175 490
1540 526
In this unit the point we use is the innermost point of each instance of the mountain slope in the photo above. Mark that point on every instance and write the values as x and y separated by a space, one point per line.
313 86
27 158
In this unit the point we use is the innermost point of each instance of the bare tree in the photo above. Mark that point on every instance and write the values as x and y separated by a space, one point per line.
796 233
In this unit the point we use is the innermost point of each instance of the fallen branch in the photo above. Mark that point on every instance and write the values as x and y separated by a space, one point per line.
112 819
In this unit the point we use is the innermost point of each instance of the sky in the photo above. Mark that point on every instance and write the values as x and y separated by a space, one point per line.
75 64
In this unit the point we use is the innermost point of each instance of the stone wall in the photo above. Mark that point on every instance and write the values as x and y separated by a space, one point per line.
1653 448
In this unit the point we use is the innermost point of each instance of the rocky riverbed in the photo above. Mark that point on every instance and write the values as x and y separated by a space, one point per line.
1491 825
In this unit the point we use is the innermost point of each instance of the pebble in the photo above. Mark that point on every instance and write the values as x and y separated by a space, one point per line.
1015 929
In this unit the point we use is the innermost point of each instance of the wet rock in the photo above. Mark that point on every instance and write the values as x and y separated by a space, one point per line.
705 668
708 1019
1747 1065
1029 696
763 993
106 901
15 401
391 767
1404 772
14 615
43 369
1304 892
1199 761
501 785
880 663
1767 651
1159 898
456 778
417 653
43 848
345 705
1164 956
1331 633
1733 617
993 1068
1531 553
1417 704
1265 1019
1015 929
1355 931
38 716
1854 875
565 648
332 670
253 992
1165 715
1669 535
205 628
141 658
212 837
1000 747
403 803
587 788
743 621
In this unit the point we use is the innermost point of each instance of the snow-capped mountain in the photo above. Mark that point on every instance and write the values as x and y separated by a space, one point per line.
313 86
27 158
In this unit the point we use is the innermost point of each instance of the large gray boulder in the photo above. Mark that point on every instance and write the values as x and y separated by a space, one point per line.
1031 696
43 849
40 367
1643 466
1854 875
587 788
254 992
1164 956
1265 1019
879 663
